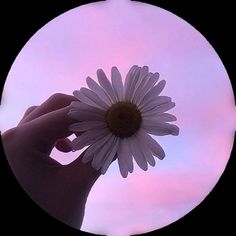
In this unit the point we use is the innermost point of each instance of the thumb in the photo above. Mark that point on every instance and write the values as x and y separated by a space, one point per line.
80 170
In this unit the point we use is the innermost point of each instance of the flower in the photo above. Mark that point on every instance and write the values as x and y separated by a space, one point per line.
116 120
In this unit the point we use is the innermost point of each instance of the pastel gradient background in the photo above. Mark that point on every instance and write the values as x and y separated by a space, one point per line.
122 33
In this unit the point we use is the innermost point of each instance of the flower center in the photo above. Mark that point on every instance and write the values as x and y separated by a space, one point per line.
123 119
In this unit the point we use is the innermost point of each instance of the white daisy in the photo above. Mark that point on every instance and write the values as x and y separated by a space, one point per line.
116 119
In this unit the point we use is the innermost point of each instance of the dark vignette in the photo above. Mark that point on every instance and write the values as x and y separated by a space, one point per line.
19 20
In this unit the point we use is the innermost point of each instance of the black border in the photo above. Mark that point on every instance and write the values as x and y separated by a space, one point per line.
19 20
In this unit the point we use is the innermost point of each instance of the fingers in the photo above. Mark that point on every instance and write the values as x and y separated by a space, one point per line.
84 171
28 111
63 145
45 130
55 102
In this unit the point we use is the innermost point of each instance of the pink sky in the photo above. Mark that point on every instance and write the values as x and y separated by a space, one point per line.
122 33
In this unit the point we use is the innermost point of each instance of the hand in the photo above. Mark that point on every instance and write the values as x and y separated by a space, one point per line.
61 190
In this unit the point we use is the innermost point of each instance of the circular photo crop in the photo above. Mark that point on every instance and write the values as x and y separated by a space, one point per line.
118 118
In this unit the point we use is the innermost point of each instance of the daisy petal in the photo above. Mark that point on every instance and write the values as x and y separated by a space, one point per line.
122 166
88 156
152 79
160 128
110 157
150 143
77 105
98 90
80 96
151 82
153 92
105 83
148 156
137 153
121 156
163 117
128 157
85 115
142 79
152 103
134 81
139 87
146 153
87 125
159 109
144 71
128 78
94 97
102 153
88 138
117 83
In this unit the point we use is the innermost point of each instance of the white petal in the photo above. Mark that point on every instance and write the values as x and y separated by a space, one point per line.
154 91
87 125
139 87
134 80
85 115
95 147
137 153
78 144
152 103
122 166
124 153
150 143
105 83
158 110
88 138
141 80
94 97
78 106
146 152
80 96
160 128
144 71
88 158
100 156
151 80
163 117
148 156
117 83
128 157
121 156
110 157
166 117
98 90
128 79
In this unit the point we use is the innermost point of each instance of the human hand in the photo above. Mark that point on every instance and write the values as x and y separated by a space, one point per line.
61 190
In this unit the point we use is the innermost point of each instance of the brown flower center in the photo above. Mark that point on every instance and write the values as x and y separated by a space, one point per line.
123 119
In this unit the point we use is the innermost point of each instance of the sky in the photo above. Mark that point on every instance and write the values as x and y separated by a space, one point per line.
60 56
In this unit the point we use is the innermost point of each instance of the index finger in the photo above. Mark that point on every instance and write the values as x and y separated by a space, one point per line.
54 102
45 130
